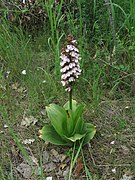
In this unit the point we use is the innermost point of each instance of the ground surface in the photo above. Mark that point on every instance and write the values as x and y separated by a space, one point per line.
109 156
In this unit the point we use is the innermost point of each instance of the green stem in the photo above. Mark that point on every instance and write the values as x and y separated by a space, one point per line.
70 99
71 163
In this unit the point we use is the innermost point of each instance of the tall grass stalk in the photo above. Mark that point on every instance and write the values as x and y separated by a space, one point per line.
15 48
76 27
2 174
94 8
41 168
132 12
88 175
96 92
81 30
111 13
74 158
55 18
11 172
126 21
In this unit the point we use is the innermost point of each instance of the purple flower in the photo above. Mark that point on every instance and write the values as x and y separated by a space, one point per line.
70 67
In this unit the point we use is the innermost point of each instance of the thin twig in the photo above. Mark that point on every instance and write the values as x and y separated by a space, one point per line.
111 18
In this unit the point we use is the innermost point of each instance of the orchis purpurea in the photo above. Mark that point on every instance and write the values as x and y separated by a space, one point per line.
67 124
70 67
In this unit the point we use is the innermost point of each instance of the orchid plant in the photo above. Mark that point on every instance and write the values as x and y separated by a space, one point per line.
67 124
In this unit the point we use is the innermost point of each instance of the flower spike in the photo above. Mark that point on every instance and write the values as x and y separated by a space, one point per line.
70 67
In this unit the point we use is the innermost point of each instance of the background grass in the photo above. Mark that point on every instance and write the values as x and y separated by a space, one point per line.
106 85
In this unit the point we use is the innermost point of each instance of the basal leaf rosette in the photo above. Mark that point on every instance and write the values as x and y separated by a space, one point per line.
67 126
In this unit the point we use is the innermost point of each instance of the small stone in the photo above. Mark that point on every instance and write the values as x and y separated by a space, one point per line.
27 121
44 81
5 126
114 170
24 72
54 153
45 157
25 170
112 142
50 167
28 141
49 178
62 157
126 177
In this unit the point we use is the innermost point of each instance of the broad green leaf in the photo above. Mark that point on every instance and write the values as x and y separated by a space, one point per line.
76 137
79 126
90 131
77 119
70 123
74 105
79 111
74 124
48 133
58 117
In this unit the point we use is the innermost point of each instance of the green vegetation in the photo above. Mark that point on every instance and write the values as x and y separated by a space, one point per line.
31 36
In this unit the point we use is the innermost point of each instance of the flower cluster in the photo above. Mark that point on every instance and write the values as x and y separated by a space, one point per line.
70 67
